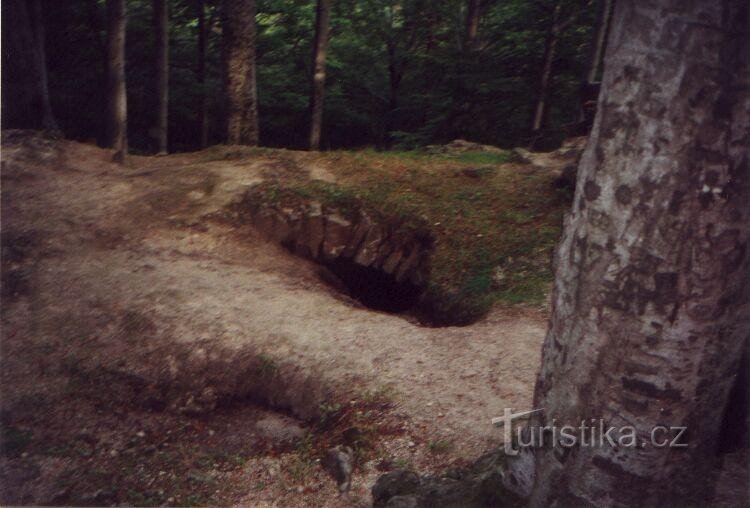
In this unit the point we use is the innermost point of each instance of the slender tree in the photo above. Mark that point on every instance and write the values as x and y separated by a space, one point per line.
26 100
117 102
590 85
238 22
558 25
473 13
202 44
317 92
48 118
651 306
161 31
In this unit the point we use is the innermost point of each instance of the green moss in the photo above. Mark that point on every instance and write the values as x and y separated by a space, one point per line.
485 221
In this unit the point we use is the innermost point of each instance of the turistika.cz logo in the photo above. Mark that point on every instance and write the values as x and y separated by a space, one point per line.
590 433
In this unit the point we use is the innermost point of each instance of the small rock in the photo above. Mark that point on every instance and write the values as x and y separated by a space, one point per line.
281 431
396 483
339 463
403 502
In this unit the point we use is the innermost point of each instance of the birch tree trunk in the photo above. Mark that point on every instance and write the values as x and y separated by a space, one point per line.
239 69
161 31
651 305
319 72
117 102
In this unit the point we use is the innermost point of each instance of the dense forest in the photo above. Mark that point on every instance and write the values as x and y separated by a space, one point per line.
388 253
383 73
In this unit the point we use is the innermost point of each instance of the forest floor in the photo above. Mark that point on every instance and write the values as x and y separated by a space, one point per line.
156 352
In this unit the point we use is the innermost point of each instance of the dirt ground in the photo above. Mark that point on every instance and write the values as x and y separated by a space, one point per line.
155 352
135 281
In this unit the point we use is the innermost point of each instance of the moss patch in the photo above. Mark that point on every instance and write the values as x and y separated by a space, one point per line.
494 225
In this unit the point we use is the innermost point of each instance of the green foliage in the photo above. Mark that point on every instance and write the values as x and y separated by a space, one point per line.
493 227
398 71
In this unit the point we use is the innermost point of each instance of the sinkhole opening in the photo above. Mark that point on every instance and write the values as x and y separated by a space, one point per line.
375 288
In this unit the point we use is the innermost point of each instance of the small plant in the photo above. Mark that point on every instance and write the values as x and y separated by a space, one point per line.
440 446
401 463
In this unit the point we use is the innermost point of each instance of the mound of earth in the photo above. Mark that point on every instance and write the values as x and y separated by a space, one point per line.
146 333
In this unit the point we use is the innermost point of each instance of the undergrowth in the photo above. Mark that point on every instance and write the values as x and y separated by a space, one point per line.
494 223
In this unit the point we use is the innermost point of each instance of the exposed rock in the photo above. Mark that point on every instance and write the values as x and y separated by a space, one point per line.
338 233
458 146
521 155
326 234
403 502
477 486
279 430
339 462
198 404
395 483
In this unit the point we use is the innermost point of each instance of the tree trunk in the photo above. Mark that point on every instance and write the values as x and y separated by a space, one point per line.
394 81
545 77
239 68
48 118
473 14
319 72
117 101
161 31
651 305
589 88
26 101
202 43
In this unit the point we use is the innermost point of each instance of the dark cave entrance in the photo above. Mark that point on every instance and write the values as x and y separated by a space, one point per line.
375 288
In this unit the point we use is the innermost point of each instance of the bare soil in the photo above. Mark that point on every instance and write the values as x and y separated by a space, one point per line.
155 352
135 312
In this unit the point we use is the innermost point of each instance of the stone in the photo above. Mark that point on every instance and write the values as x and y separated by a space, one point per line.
396 483
403 502
392 261
199 404
339 462
408 263
369 250
338 232
311 233
358 236
280 430
479 485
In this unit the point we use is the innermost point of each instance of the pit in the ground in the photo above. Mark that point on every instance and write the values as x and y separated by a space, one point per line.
374 288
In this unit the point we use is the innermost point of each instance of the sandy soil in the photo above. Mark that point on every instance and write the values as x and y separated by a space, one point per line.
130 297
106 244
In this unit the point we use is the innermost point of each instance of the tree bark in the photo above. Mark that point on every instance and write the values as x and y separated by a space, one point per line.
26 100
239 68
651 304
117 102
317 93
202 43
161 32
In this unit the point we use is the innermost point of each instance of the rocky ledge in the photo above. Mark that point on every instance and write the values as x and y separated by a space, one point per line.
340 234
